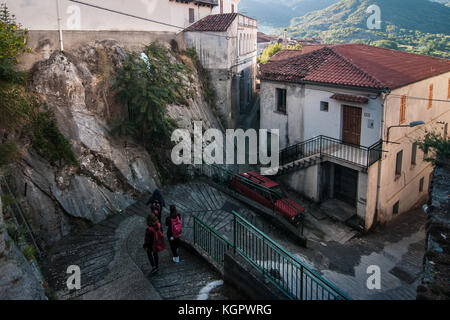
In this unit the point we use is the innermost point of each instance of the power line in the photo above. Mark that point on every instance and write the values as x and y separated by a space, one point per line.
141 18
417 98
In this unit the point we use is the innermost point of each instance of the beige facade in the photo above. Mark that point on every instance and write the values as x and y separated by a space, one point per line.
405 188
226 6
379 190
167 15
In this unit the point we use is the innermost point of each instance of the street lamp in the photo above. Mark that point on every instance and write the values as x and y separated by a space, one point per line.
411 125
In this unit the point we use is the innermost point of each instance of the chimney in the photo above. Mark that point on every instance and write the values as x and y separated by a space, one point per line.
285 39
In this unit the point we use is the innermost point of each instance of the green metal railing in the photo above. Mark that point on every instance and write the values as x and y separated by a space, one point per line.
212 243
291 276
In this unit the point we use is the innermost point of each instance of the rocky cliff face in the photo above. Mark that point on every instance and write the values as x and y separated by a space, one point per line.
17 279
112 171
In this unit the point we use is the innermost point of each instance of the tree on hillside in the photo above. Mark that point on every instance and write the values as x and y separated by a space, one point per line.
271 50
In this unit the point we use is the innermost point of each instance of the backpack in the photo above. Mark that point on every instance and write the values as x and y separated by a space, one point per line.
159 244
176 227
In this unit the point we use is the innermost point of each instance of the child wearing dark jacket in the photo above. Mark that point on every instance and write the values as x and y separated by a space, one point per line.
173 241
152 222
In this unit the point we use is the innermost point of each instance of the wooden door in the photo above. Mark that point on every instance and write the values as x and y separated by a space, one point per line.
351 125
346 184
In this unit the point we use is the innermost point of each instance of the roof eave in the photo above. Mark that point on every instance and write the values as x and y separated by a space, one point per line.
376 90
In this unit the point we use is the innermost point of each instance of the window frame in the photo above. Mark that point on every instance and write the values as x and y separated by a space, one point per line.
322 105
414 148
421 184
403 109
398 164
191 14
281 94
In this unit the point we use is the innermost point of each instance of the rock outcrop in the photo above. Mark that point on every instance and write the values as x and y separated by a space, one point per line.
17 279
112 171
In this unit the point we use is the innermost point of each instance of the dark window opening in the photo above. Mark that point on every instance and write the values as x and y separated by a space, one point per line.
281 100
422 181
398 164
191 15
396 207
324 106
414 153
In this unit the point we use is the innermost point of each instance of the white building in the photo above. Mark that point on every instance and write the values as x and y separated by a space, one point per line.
335 106
100 15
226 6
226 46
264 41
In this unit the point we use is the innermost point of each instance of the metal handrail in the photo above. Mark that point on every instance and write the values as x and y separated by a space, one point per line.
253 241
218 253
267 240
22 217
316 146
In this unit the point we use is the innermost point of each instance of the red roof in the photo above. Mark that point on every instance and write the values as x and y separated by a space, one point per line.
214 23
354 65
262 37
286 54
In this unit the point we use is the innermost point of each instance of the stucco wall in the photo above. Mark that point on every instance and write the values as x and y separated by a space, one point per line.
304 118
371 195
329 123
227 6
289 124
80 17
305 181
405 187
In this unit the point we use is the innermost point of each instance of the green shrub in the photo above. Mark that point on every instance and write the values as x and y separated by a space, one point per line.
12 44
440 146
29 252
49 142
8 152
147 83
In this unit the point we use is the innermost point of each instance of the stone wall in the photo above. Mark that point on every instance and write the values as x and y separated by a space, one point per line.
436 280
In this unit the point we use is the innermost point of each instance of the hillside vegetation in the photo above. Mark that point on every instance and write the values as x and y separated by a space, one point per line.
418 26
277 14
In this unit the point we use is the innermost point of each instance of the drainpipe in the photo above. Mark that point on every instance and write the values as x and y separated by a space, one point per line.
377 206
61 45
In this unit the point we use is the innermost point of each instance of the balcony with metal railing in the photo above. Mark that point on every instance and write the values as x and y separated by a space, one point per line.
323 147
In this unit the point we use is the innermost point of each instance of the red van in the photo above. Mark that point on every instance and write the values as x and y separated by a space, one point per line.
267 192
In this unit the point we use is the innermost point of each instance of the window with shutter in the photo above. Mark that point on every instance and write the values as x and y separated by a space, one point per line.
403 109
430 96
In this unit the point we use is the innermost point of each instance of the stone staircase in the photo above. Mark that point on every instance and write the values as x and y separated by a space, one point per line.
113 263
211 206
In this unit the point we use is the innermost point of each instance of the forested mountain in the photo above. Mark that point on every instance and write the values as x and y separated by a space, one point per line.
277 14
421 26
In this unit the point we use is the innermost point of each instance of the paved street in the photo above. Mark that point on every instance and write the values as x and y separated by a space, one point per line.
114 265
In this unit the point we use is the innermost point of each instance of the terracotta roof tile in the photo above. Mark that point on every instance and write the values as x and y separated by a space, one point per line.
354 65
214 23
349 98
